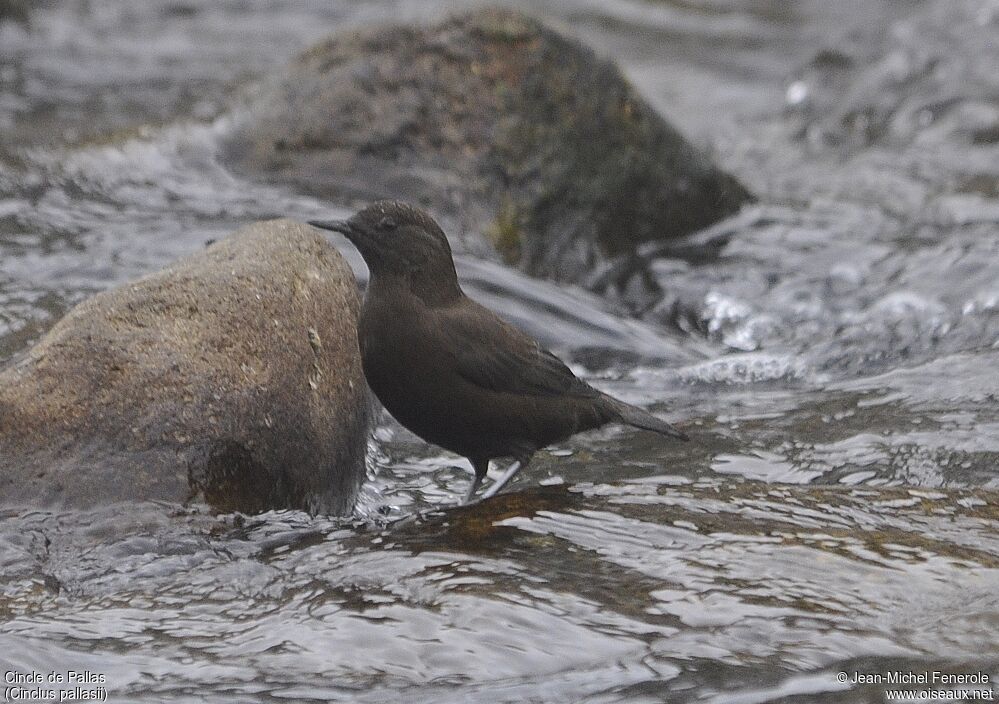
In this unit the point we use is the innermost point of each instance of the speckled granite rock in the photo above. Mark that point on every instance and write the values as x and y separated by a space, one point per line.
232 376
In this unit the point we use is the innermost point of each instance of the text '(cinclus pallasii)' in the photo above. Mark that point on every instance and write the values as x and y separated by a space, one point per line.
449 369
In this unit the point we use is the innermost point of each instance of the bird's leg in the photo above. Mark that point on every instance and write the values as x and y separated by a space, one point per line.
480 468
505 479
470 495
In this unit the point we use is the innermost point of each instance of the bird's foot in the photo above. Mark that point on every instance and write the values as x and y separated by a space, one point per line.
498 485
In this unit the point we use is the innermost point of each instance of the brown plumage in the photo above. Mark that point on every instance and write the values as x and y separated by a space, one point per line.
452 371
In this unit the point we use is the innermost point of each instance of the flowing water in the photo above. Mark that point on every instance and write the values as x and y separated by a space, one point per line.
834 360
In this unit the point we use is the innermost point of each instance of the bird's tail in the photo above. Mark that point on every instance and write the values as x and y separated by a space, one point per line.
633 415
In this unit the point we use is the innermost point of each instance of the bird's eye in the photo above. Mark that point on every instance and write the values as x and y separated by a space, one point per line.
386 223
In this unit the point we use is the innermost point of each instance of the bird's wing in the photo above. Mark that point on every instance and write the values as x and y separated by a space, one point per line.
492 354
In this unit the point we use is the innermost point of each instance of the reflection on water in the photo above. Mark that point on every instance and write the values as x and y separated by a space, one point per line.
833 359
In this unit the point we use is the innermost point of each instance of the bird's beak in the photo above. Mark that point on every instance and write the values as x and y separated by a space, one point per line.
342 226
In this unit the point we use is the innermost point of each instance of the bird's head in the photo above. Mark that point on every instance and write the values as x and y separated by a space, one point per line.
399 240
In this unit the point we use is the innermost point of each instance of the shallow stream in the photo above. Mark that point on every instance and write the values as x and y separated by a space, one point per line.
835 364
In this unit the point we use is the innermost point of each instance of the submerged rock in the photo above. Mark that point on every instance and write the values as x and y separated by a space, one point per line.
929 82
232 377
14 10
496 123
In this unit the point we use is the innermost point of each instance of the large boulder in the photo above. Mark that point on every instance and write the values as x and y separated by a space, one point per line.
231 377
496 123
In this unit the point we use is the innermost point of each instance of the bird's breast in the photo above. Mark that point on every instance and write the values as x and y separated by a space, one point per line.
396 360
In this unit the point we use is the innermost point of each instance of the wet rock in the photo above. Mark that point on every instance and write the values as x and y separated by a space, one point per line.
515 133
231 377
14 10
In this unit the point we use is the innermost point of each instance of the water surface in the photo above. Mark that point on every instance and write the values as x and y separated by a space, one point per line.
834 362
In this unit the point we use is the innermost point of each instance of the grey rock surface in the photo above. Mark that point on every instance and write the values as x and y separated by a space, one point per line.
232 377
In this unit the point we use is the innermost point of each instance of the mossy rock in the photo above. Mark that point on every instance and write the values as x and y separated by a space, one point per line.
515 134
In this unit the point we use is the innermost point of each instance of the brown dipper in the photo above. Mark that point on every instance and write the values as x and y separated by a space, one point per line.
449 369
